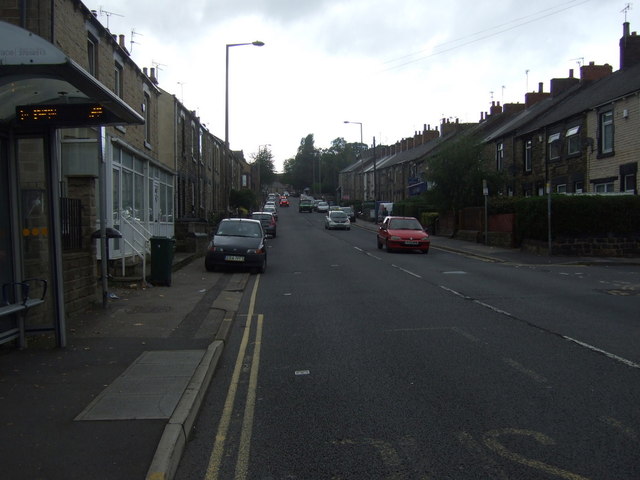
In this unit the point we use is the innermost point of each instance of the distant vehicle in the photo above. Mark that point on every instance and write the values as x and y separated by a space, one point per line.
350 212
268 222
337 219
238 242
402 233
284 202
271 209
305 205
322 207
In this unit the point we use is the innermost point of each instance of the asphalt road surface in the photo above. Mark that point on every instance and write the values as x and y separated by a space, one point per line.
347 362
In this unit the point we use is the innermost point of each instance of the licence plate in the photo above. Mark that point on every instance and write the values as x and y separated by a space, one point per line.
234 258
411 242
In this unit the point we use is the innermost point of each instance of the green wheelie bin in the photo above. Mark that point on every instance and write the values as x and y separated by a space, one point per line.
161 260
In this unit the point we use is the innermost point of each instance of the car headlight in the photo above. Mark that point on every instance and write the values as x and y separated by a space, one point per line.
256 250
395 238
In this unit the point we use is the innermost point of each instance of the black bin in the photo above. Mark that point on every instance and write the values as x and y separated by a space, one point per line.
161 260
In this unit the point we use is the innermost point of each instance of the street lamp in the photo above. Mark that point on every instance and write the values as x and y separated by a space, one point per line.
361 160
257 43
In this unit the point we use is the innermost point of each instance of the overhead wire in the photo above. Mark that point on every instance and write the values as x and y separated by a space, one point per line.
525 20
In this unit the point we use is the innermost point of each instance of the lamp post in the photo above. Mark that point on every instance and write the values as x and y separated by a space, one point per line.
257 43
361 160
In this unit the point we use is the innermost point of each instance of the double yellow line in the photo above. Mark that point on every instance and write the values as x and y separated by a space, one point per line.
244 446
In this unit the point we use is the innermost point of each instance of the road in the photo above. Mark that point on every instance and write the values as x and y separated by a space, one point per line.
351 363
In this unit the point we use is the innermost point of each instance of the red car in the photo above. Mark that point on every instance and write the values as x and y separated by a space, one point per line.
403 233
284 202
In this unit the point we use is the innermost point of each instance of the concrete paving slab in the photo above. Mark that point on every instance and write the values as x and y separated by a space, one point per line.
149 389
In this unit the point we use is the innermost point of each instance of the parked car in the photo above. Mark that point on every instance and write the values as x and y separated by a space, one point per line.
322 207
271 209
402 233
337 219
238 242
350 213
268 222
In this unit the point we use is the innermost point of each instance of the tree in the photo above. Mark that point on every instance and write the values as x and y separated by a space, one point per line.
243 199
456 173
264 159
301 171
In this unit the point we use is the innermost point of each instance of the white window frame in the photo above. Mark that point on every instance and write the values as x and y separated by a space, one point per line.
573 140
629 183
604 187
606 132
499 156
554 146
528 155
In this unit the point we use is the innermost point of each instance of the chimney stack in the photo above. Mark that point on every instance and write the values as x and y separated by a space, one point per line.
561 85
629 48
531 98
593 72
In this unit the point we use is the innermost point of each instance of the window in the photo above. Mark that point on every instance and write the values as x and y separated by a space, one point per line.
606 132
573 141
554 146
629 183
528 155
499 156
92 55
118 87
604 187
628 177
561 188
193 142
146 113
578 187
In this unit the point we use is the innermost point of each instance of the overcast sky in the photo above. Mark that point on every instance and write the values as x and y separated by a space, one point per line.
394 65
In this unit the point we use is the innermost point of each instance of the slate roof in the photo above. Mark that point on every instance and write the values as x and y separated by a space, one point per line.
601 92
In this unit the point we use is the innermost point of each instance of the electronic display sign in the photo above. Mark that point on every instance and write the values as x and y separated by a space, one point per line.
65 114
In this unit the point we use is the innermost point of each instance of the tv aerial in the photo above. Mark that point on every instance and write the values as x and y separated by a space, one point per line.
107 14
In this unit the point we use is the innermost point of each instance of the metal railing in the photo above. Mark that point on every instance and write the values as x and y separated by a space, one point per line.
71 223
136 240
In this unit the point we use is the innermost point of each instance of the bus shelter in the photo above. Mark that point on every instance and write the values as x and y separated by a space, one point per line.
41 91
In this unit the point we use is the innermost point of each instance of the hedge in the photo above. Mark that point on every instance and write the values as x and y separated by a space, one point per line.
575 216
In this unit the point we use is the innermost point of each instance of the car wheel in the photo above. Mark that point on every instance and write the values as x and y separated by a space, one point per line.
274 234
388 249
379 244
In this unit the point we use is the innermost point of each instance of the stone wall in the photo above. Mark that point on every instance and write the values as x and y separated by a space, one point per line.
79 267
80 281
587 247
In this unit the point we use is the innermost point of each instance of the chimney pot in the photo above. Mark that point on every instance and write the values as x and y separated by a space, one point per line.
540 87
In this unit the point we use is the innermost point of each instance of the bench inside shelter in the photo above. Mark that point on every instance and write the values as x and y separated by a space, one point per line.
17 299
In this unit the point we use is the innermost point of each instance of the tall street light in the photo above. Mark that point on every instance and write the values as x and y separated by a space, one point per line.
361 161
257 43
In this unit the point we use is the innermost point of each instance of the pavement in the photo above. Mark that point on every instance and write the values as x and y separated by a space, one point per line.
120 400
